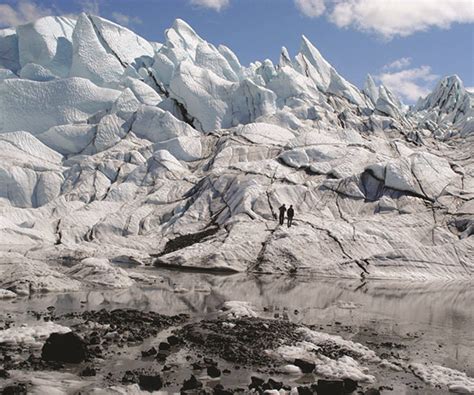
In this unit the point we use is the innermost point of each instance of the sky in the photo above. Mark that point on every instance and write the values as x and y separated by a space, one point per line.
406 44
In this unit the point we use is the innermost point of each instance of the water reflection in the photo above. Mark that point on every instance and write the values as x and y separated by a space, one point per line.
441 312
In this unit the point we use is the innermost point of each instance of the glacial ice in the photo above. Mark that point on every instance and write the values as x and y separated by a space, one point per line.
175 154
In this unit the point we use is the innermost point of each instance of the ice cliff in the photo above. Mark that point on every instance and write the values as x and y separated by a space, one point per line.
175 154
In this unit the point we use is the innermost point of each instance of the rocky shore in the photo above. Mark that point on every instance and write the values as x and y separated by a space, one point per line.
237 350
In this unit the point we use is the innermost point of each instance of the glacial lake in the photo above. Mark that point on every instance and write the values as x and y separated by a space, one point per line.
428 322
435 320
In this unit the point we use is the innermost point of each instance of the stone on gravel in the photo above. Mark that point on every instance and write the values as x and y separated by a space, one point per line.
150 382
148 353
213 372
305 366
350 385
331 387
64 347
191 384
88 372
15 389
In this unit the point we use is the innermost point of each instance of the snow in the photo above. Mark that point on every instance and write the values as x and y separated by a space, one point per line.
436 375
31 334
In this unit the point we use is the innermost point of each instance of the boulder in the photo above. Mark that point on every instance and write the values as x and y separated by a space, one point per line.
64 347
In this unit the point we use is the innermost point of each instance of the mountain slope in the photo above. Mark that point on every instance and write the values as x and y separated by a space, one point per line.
175 154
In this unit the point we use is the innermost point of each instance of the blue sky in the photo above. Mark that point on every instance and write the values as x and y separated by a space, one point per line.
407 44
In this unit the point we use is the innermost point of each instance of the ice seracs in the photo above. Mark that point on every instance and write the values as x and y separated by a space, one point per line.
176 154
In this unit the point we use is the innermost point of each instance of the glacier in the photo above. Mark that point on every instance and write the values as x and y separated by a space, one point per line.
174 154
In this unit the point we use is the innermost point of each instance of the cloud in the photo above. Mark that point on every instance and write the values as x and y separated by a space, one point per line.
90 6
470 89
125 20
216 5
397 64
311 8
24 12
410 84
390 18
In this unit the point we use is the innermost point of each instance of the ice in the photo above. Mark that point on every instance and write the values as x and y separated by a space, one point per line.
68 139
371 90
312 64
37 106
9 55
100 272
6 294
127 46
31 334
47 42
25 277
436 375
113 146
158 125
237 309
91 59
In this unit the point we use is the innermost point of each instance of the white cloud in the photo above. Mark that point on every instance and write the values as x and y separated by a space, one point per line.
90 6
24 12
213 4
311 8
398 64
391 18
125 20
470 89
410 84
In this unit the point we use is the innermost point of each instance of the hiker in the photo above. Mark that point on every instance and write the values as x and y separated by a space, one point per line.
290 214
282 214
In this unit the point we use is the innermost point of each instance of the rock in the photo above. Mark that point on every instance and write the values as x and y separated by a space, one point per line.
304 390
213 372
331 387
256 382
88 372
305 366
173 340
129 377
15 389
372 391
161 356
163 346
350 385
150 383
4 374
149 353
64 347
191 384
219 390
272 385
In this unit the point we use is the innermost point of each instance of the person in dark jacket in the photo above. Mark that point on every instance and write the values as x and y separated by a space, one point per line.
290 214
282 214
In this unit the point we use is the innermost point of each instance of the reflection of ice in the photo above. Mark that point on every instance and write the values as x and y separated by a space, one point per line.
347 305
443 311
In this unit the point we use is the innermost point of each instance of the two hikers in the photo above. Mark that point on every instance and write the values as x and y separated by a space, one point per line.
290 213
